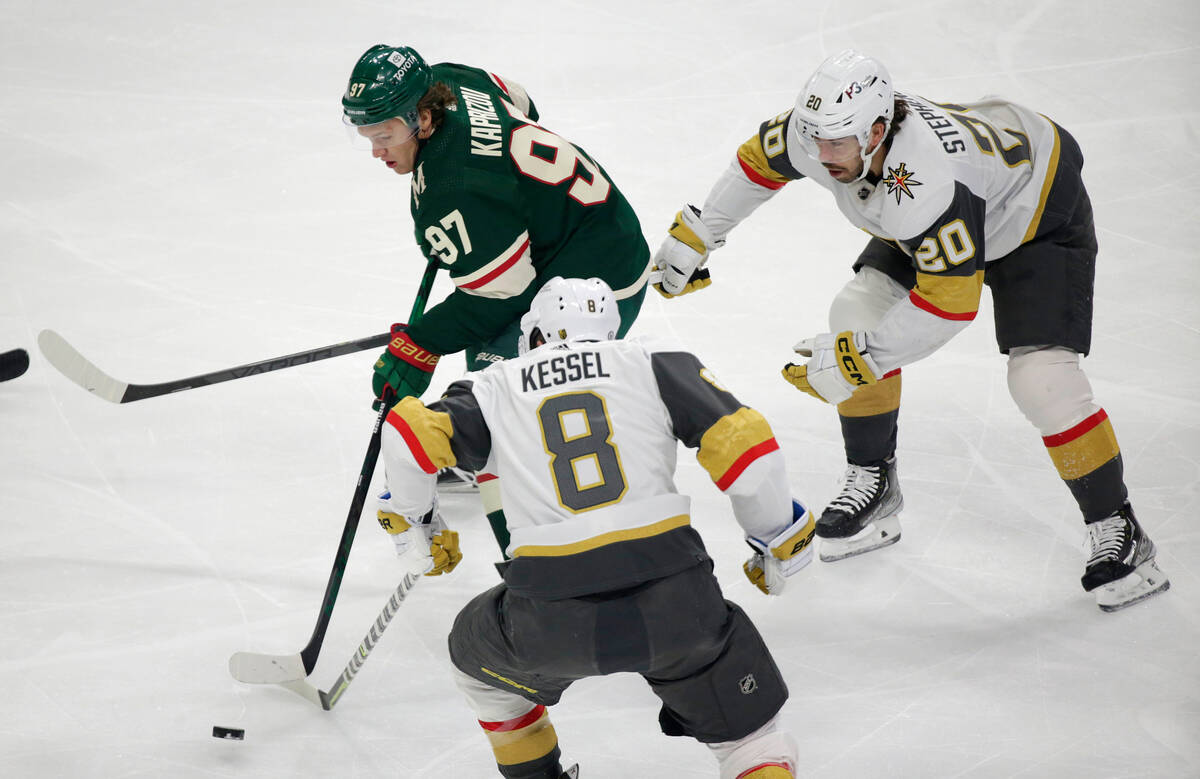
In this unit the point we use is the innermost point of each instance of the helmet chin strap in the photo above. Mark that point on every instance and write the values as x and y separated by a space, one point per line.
867 159
869 156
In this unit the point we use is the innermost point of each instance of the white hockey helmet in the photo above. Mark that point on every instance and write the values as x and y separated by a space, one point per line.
570 310
844 98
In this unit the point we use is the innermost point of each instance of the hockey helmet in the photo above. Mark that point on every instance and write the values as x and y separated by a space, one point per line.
570 310
846 95
386 83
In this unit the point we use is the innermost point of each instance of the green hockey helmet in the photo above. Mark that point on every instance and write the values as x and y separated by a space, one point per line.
386 83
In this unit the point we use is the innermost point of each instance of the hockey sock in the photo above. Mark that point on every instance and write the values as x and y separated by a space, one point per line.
1088 459
869 420
489 494
526 747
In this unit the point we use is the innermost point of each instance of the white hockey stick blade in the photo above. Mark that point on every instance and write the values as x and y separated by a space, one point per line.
254 668
78 369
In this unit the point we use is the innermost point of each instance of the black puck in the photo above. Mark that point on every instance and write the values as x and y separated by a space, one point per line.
234 734
13 364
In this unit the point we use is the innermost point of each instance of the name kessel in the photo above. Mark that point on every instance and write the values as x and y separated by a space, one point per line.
562 369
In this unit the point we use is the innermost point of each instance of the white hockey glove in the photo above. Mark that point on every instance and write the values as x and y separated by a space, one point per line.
838 365
679 262
426 540
785 554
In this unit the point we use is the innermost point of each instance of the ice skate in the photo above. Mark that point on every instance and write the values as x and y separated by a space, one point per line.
865 516
456 480
1121 568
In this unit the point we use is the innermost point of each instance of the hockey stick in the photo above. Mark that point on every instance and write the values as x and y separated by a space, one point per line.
79 369
260 669
254 668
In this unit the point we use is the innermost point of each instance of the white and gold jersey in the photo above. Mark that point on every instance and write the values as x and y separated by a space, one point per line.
583 437
962 185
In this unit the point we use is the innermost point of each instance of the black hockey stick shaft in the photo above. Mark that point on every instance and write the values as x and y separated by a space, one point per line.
82 371
309 654
143 391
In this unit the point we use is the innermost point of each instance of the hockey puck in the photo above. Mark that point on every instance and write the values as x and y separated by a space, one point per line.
13 364
234 734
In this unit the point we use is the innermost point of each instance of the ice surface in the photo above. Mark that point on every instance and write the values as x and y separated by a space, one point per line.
177 196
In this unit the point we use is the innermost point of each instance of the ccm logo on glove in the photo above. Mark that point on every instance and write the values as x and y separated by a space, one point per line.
850 357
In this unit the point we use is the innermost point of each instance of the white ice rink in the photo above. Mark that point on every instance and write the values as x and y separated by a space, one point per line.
177 196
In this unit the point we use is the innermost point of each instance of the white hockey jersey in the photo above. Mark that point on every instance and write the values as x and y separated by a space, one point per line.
961 186
583 438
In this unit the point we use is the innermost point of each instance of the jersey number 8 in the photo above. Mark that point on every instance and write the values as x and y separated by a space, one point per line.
584 463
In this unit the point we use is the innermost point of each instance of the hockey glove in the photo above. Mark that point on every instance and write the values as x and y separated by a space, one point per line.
404 366
787 553
838 365
679 262
433 546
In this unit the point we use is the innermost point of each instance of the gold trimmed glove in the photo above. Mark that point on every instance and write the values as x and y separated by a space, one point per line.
679 262
837 365
431 543
786 554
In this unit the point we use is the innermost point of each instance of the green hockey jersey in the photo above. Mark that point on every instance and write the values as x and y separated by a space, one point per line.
506 204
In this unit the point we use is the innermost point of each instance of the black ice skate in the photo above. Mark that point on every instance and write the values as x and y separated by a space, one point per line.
864 517
1121 568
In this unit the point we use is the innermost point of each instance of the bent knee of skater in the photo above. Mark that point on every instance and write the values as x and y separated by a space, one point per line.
1049 387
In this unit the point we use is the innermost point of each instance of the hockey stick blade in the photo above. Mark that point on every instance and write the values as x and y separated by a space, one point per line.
288 670
255 668
76 367
80 370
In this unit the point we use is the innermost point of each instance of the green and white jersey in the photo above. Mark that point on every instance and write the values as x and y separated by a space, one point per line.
505 204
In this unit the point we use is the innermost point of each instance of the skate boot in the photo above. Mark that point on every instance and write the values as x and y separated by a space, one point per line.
1121 568
864 516
453 479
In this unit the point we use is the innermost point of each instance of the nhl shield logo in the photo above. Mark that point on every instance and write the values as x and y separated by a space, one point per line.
747 684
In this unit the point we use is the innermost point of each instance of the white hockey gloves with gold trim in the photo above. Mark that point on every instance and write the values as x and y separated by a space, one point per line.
785 554
837 365
425 540
679 262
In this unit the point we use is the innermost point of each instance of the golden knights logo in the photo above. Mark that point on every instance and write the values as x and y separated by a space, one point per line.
747 684
898 182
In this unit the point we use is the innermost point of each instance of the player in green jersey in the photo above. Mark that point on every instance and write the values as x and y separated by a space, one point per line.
503 203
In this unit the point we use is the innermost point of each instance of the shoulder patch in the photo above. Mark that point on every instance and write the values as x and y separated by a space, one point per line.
900 181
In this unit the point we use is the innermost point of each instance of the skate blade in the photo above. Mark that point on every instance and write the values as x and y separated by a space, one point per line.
876 535
1143 582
